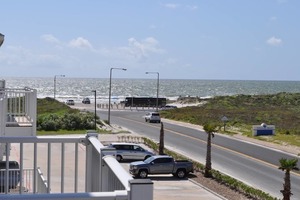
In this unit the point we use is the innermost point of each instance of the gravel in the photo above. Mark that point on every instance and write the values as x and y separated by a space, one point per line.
220 189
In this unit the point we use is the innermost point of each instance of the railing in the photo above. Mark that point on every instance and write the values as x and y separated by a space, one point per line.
18 109
14 181
41 182
62 161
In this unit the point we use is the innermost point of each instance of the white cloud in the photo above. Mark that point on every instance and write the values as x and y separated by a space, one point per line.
152 45
273 41
140 50
135 53
50 38
75 43
80 43
171 5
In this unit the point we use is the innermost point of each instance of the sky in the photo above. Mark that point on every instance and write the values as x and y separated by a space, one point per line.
187 39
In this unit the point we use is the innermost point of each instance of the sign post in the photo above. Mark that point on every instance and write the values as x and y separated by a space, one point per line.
224 119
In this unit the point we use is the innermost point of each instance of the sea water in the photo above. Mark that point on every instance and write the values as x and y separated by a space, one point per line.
78 88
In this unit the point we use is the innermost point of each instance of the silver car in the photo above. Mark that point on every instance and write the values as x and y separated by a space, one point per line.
152 117
130 151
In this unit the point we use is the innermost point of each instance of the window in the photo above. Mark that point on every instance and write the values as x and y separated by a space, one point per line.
137 148
163 160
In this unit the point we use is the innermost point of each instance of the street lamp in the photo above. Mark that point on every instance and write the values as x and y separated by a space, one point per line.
157 87
55 82
110 74
95 109
1 39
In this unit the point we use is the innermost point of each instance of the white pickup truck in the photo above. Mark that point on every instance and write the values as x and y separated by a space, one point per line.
161 164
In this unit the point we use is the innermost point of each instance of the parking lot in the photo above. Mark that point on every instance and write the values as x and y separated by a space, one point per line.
170 187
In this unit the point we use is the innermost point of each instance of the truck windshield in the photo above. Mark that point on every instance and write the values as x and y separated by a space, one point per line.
149 160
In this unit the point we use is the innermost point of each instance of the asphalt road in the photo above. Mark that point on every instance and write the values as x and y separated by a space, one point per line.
252 164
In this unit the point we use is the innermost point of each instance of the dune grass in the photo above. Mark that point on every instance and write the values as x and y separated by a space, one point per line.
243 111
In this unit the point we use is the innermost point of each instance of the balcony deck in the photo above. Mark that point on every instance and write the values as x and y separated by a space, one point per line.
75 165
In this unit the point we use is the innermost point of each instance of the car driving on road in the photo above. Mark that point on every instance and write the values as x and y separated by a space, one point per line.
152 117
70 102
86 100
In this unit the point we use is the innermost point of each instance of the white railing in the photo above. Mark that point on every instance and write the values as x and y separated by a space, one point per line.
41 183
18 109
62 161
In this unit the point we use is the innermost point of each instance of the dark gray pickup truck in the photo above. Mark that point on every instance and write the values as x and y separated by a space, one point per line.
161 164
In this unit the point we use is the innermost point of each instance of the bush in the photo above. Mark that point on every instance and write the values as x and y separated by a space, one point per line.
49 125
67 121
48 122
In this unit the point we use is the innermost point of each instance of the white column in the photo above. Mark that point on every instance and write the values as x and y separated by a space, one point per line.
141 189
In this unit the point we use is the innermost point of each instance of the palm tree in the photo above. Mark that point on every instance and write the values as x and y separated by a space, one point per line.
287 165
209 129
161 139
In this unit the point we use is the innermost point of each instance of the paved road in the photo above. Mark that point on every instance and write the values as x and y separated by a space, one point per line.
255 165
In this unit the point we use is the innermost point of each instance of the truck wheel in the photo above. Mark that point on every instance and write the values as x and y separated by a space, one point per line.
181 173
143 173
119 158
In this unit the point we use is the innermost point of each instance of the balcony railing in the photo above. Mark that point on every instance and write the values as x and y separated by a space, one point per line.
17 109
70 168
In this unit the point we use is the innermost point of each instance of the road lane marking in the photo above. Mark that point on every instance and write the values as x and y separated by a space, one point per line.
215 145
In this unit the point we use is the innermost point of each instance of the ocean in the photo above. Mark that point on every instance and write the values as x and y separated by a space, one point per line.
78 88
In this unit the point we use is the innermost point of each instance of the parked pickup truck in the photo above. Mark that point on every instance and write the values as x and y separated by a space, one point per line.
161 164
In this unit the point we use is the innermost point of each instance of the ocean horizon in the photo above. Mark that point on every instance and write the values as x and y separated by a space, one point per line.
78 88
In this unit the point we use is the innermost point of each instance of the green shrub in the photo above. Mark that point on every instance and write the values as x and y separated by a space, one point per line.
49 125
67 121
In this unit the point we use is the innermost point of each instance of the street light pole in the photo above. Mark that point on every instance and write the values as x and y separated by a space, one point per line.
55 83
157 87
109 98
95 109
1 39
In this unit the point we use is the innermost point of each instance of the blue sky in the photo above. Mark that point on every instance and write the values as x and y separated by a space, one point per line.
190 39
